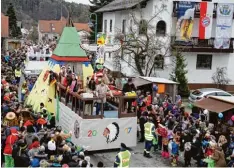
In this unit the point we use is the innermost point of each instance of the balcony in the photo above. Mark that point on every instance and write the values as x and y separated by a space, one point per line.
197 9
197 45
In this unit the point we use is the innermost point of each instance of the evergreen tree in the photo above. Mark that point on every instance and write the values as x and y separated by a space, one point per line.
14 29
96 4
179 73
34 34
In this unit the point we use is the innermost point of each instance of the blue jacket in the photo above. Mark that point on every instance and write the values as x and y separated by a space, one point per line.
175 148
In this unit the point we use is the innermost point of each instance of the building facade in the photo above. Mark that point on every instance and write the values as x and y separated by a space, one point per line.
50 29
201 56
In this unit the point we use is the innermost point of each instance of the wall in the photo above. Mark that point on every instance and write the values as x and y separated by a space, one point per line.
194 75
203 75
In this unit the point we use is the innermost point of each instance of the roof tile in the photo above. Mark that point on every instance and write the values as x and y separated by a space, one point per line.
52 26
82 26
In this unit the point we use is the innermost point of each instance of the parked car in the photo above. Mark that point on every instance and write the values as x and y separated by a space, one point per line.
199 94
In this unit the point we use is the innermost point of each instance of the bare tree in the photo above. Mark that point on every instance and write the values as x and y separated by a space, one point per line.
220 77
142 45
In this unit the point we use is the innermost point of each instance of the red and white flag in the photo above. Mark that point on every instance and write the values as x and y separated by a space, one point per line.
206 18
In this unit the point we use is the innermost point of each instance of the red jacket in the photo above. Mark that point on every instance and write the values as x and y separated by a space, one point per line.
148 100
11 139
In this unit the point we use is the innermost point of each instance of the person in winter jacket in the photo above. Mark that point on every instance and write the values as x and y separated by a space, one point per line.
10 141
187 154
30 135
174 153
19 154
35 149
219 157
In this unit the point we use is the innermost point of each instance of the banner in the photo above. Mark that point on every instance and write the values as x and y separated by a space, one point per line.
98 134
224 25
206 19
185 21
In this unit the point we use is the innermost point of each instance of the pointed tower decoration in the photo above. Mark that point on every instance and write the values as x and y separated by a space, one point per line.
67 52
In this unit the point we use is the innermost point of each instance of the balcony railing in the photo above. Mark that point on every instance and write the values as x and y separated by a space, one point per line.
197 9
198 45
78 104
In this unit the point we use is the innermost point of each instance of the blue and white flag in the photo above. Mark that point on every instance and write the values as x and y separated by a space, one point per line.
224 25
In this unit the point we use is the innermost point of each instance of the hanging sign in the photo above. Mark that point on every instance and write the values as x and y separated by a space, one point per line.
224 25
185 21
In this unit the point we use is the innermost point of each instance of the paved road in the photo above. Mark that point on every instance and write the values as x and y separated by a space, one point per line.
137 159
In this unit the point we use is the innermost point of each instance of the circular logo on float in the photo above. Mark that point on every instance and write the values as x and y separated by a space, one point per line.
205 21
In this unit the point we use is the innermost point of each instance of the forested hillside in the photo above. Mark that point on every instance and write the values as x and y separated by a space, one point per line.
30 11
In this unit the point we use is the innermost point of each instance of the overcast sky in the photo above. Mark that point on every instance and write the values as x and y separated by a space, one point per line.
80 1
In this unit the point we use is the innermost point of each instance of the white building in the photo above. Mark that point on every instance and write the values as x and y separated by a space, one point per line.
50 29
202 58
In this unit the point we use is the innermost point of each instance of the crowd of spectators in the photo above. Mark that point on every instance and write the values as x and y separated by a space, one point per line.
28 137
210 144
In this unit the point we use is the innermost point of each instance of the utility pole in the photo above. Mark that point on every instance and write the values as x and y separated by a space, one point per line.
61 9
94 25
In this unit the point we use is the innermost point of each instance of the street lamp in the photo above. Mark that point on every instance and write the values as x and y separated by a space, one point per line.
91 25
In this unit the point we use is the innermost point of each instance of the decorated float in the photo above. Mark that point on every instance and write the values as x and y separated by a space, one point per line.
75 111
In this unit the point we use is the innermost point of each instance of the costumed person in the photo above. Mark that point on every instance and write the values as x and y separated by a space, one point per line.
155 143
149 136
51 147
123 157
101 90
11 139
187 154
148 99
129 87
21 158
98 72
174 152
219 157
24 91
65 136
163 132
41 122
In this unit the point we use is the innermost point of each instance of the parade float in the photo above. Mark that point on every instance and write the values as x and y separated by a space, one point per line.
111 127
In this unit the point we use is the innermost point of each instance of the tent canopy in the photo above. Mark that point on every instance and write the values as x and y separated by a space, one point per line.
214 105
68 47
141 80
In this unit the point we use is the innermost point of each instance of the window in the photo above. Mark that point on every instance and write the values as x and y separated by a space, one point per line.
161 28
143 27
130 25
110 25
105 26
142 62
211 94
204 61
158 62
124 26
223 94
